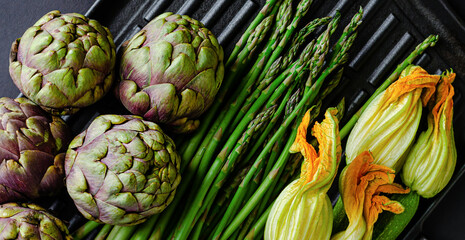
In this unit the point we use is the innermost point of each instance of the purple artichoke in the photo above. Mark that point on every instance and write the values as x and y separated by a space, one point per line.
64 62
31 152
122 170
29 221
171 71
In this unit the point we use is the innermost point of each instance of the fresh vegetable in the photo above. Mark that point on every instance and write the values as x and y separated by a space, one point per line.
361 185
64 62
303 209
32 153
388 126
29 221
430 41
171 71
390 225
121 170
431 162
222 199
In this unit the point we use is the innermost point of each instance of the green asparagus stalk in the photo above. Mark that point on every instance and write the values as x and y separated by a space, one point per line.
322 47
282 20
85 229
125 233
301 10
114 232
102 235
271 75
428 42
143 231
289 98
256 231
301 39
193 212
216 166
223 200
348 31
232 227
267 9
197 231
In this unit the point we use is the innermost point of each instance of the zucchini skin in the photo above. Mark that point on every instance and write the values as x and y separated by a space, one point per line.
340 220
389 225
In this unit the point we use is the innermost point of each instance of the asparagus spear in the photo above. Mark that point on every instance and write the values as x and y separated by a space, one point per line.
266 10
257 230
102 235
255 127
301 39
185 226
301 10
85 229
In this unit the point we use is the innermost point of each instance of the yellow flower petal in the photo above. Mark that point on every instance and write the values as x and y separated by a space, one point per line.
319 169
418 78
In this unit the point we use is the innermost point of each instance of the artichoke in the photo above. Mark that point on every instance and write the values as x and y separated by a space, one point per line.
31 164
29 221
63 62
121 170
171 71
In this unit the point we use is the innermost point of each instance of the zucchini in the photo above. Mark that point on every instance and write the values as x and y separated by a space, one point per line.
340 220
389 225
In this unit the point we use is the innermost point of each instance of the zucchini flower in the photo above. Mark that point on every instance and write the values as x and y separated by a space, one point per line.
388 125
303 209
431 162
361 183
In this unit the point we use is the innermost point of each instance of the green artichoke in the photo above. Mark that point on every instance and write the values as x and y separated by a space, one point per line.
63 62
171 71
121 170
29 221
32 155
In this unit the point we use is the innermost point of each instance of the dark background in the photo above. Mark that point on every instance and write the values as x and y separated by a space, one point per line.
16 16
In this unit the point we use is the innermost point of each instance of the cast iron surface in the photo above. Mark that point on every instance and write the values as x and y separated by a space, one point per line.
390 31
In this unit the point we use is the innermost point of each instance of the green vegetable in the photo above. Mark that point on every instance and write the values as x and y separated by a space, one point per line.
32 152
121 170
389 226
171 71
64 62
29 221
